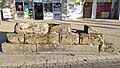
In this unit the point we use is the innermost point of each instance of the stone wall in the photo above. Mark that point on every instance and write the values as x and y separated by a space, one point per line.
39 34
43 33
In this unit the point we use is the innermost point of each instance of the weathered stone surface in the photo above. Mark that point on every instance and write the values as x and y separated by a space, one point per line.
54 38
36 39
46 48
15 38
66 48
84 39
70 38
87 39
18 48
107 47
31 48
62 28
30 28
41 28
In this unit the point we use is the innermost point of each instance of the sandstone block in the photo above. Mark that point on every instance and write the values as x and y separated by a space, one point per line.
36 39
30 28
87 39
18 48
84 39
15 38
108 47
66 48
41 28
46 48
70 38
62 28
54 38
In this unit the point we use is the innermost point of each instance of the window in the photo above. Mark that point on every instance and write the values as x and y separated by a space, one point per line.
18 0
19 6
47 0
88 0
58 1
57 7
37 0
103 0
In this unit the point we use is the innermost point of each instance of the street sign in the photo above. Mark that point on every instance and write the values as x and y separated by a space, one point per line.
6 13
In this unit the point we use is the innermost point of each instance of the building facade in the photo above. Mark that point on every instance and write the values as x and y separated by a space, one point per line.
65 9
38 9
105 9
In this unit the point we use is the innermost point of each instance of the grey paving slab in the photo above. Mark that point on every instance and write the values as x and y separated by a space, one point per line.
40 61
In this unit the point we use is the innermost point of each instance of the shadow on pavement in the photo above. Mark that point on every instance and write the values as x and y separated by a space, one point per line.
101 25
105 27
3 38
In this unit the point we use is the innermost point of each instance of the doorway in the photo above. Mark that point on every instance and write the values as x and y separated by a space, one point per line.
87 9
38 7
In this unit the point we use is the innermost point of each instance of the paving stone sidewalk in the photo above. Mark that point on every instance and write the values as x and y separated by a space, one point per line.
60 60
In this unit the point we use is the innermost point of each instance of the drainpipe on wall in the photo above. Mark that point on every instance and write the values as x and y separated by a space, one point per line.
94 7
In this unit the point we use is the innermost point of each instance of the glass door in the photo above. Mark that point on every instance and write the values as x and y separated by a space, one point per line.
38 9
57 9
48 11
87 8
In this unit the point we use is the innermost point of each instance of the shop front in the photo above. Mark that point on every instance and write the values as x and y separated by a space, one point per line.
74 9
87 8
57 9
103 8
39 9
19 9
114 9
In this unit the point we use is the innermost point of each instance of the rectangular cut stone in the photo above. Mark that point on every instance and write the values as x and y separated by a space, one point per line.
62 28
84 39
66 28
32 27
66 48
69 38
87 39
15 38
46 48
18 48
54 38
95 40
36 39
